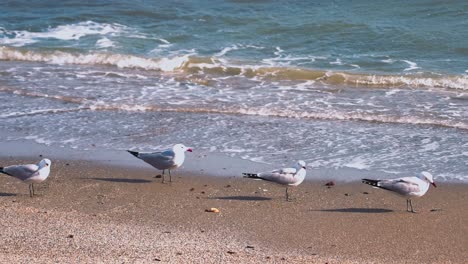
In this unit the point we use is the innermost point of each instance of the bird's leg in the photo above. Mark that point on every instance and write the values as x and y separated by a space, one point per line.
287 194
411 205
407 205
170 176
30 191
32 184
162 176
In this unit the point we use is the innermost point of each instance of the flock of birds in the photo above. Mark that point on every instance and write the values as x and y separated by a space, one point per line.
170 159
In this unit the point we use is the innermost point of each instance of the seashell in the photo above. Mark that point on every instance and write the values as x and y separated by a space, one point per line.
212 210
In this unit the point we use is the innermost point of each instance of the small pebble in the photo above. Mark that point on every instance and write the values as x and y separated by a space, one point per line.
330 184
231 252
192 189
70 236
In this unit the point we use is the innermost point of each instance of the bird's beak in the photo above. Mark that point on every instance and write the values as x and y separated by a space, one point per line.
189 150
433 184
304 167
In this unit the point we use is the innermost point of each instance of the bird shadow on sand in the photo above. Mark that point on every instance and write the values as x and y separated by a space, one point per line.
356 210
7 194
121 180
241 198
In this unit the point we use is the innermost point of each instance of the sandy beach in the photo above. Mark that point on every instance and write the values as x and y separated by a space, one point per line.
354 89
92 213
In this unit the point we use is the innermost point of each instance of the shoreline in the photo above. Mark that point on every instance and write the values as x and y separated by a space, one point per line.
97 212
199 163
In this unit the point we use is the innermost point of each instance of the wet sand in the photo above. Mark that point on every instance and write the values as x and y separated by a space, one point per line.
89 212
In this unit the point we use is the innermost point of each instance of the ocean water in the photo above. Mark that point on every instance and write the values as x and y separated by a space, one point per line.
371 86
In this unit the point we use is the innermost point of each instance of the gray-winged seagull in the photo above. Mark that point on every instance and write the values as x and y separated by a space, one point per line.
287 176
29 173
407 187
165 160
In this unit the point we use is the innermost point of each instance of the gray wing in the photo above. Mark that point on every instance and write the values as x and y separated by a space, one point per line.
278 176
402 186
160 160
22 172
288 170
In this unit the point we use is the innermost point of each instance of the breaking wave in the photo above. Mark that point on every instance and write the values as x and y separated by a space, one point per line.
76 31
212 67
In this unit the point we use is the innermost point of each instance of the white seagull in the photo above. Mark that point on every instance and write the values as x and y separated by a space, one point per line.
407 187
29 173
165 160
287 176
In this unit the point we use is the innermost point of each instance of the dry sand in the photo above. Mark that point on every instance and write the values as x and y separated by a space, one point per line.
97 213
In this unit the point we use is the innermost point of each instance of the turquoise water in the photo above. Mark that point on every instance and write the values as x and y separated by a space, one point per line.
394 37
369 85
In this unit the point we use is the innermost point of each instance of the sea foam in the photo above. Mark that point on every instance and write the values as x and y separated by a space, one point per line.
76 31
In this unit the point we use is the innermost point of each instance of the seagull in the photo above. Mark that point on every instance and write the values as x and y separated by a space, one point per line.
287 176
407 187
166 160
29 173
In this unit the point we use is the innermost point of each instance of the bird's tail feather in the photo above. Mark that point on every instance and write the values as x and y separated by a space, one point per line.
374 183
251 175
2 171
134 153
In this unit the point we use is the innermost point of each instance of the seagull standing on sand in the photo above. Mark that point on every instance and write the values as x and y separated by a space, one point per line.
166 160
407 187
29 173
287 176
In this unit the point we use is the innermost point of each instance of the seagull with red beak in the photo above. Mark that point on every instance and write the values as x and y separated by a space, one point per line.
165 160
407 187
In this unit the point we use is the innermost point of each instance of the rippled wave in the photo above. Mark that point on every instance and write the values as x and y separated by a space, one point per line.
94 105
